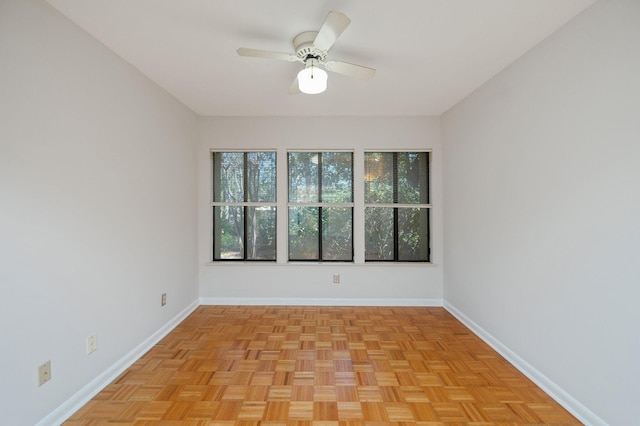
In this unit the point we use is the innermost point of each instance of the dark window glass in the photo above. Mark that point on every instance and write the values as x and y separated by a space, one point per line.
397 206
321 206
244 211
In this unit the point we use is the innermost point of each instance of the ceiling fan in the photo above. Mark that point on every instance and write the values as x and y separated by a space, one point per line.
311 48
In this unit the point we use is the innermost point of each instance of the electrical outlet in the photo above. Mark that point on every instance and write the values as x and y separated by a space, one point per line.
44 373
92 343
336 278
164 299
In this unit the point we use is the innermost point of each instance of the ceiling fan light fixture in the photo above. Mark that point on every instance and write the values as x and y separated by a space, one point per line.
312 80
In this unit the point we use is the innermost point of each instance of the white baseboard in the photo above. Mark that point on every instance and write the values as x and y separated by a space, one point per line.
276 301
563 398
80 398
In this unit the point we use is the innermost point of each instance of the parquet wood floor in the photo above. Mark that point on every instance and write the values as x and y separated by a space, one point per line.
321 366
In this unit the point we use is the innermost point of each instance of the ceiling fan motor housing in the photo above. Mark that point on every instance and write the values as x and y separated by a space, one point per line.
303 46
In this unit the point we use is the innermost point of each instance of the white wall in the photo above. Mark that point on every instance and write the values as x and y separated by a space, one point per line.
542 210
311 282
97 204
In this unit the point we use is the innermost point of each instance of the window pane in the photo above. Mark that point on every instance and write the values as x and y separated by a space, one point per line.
303 177
378 177
228 223
336 233
261 176
412 178
303 233
413 234
378 233
228 182
261 233
320 233
337 177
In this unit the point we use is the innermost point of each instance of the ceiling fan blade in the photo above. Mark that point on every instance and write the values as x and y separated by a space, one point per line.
351 70
266 54
333 26
295 87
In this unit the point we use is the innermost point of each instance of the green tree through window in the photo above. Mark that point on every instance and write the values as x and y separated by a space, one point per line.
320 206
397 206
244 205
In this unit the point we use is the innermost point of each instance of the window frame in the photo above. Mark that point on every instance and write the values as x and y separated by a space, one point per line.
244 204
395 205
320 205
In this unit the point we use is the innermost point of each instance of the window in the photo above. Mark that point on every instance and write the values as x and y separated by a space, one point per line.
394 201
244 205
320 206
397 206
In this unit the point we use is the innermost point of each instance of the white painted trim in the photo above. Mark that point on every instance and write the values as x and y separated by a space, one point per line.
561 396
306 264
80 398
317 302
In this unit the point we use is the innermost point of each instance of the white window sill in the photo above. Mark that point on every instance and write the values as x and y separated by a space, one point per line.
325 264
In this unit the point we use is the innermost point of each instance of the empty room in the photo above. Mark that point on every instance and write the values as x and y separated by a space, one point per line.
419 212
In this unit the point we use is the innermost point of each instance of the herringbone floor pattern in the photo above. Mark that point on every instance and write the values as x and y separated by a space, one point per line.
321 366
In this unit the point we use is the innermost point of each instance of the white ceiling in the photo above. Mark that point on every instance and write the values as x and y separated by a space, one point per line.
429 54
